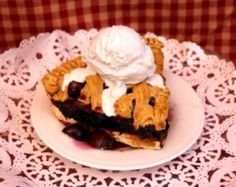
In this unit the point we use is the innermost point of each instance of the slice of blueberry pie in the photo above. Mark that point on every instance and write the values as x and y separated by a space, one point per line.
114 92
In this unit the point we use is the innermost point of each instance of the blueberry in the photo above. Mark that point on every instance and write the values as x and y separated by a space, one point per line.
101 140
152 101
75 131
129 90
74 89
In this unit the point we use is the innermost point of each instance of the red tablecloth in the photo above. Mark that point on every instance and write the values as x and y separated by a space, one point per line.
210 23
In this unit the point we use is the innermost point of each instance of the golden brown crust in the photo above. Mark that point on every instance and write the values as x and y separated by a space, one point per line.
53 80
124 105
92 91
156 47
136 142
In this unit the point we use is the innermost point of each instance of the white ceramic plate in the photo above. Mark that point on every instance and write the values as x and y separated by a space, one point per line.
185 127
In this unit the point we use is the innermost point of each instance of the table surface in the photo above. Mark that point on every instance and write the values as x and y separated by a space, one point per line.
26 161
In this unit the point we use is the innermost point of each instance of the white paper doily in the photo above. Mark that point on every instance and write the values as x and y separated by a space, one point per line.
26 161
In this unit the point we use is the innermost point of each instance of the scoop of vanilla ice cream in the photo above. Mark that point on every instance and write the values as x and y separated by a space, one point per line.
118 53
